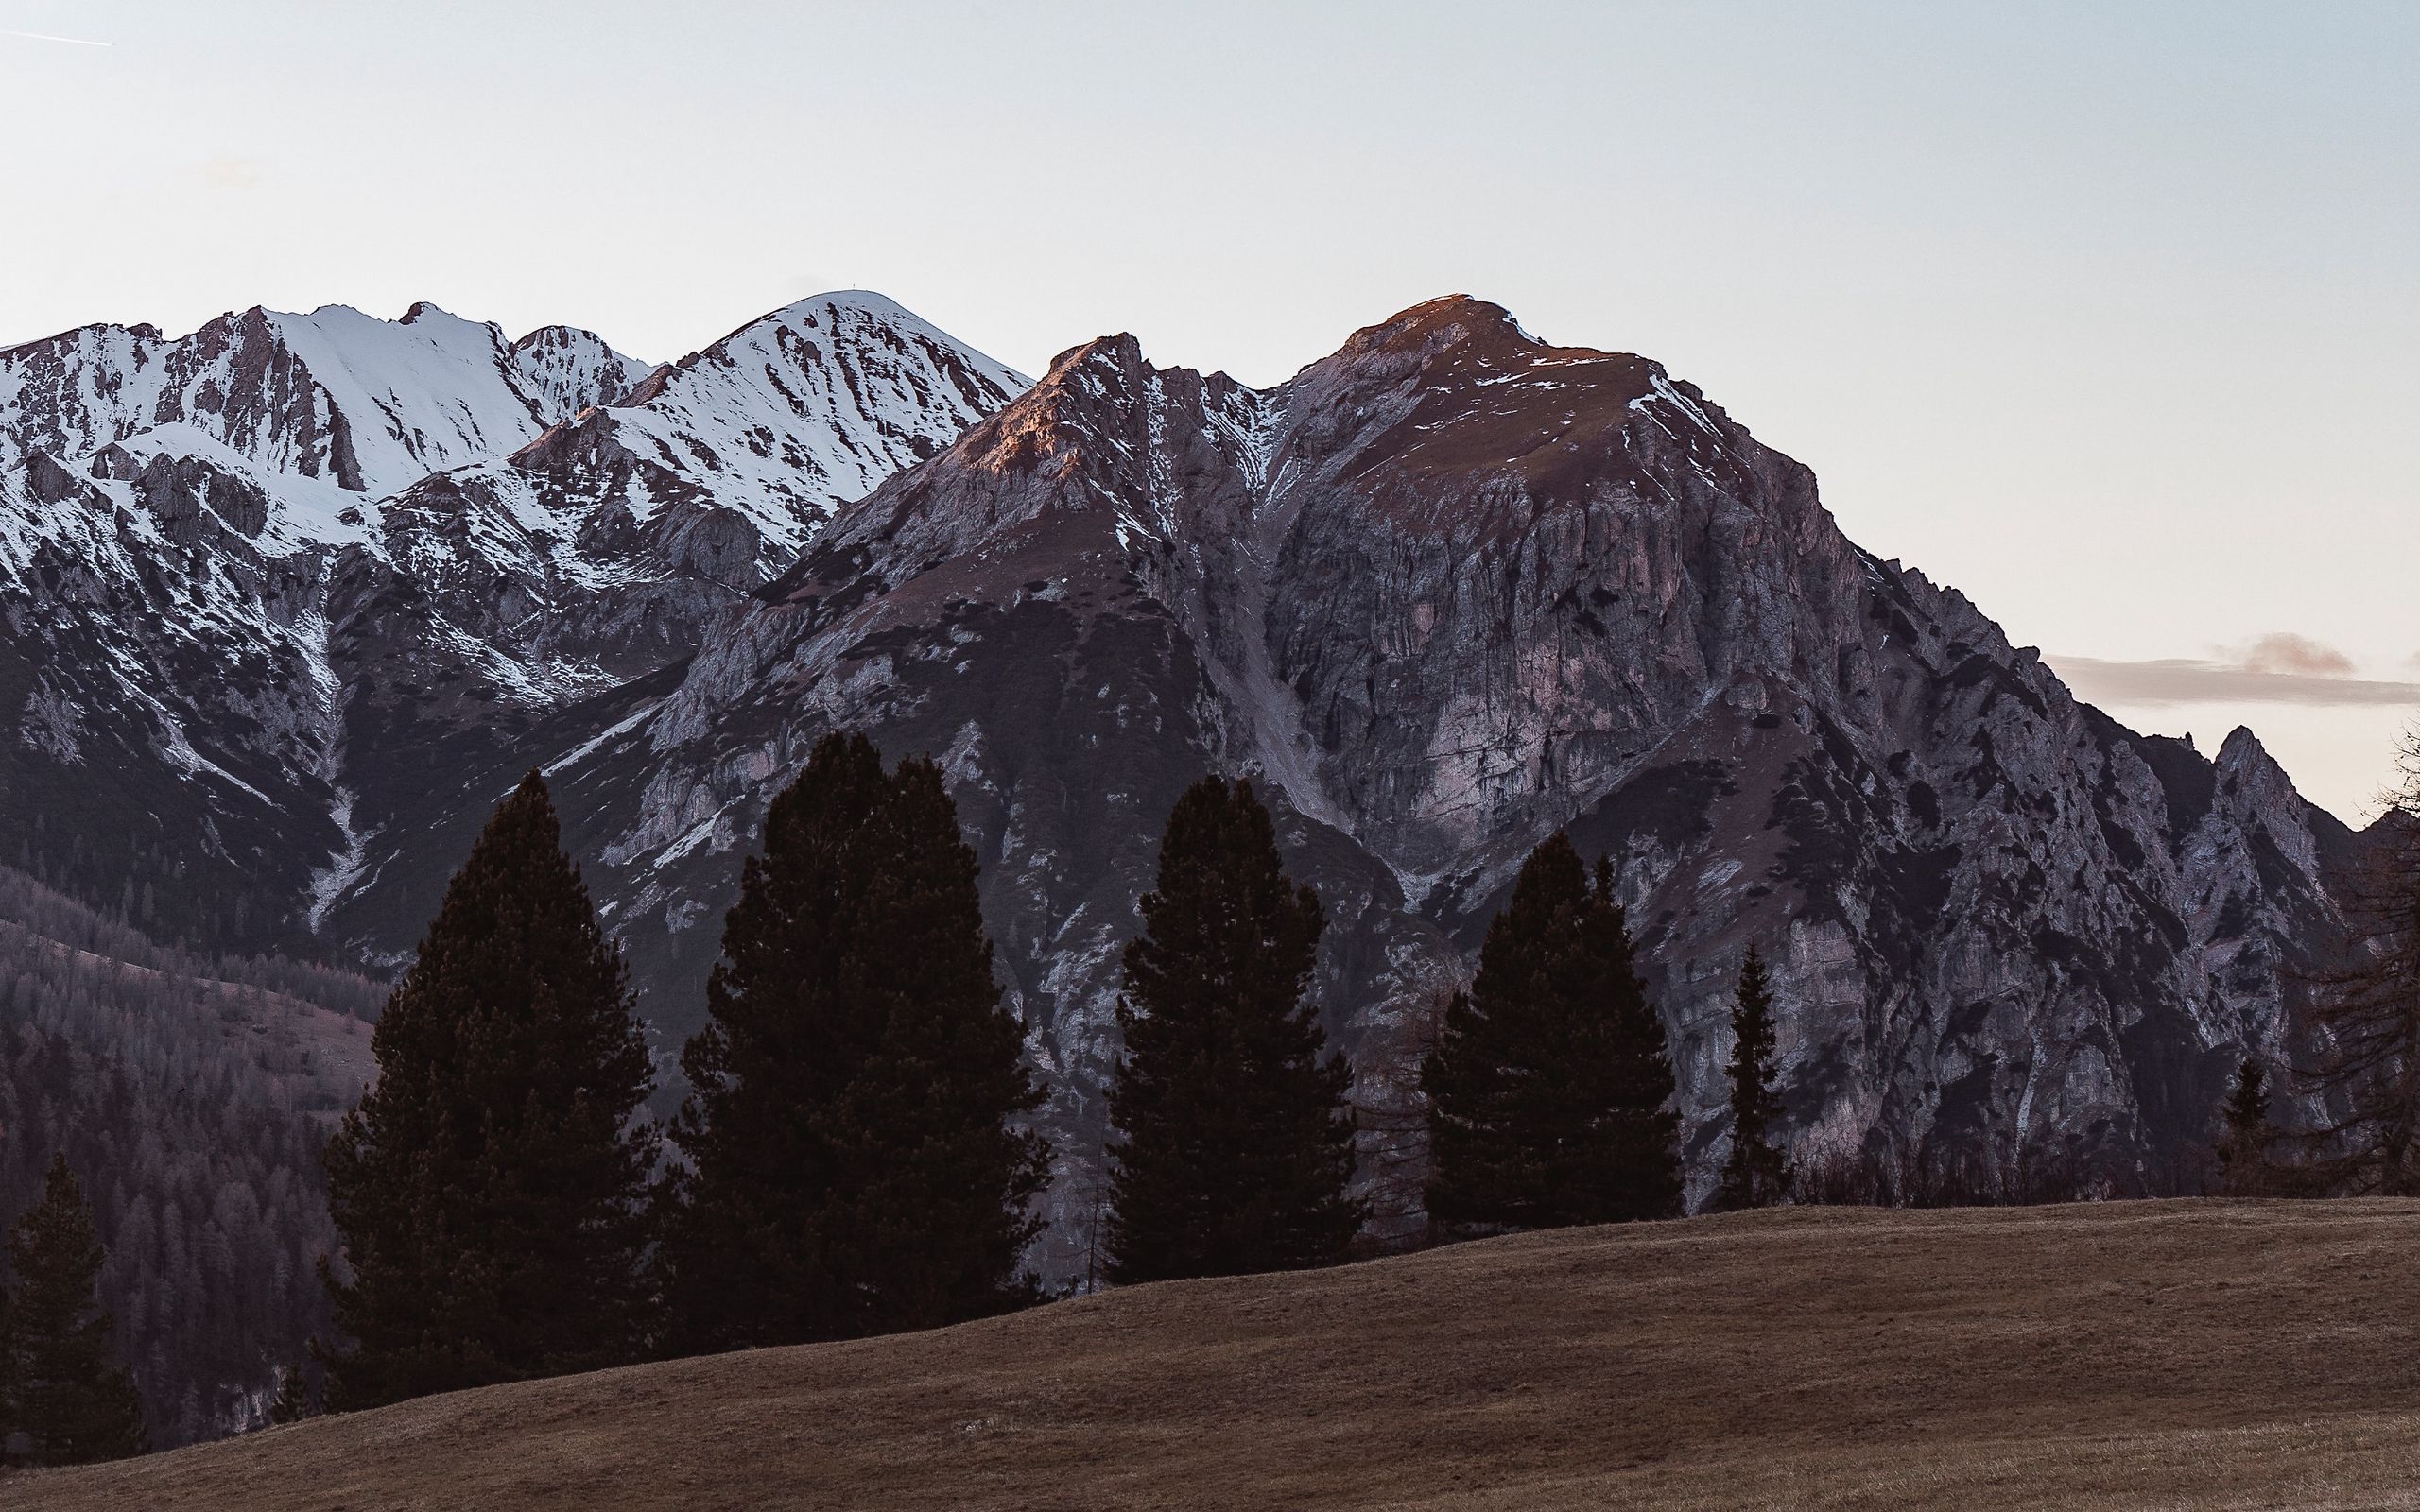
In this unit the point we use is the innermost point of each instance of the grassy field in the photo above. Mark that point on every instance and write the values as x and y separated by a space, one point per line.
2166 1354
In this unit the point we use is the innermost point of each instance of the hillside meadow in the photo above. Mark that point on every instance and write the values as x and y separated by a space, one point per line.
2151 1354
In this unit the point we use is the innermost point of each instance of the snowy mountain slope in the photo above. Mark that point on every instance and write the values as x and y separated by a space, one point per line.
713 471
1443 593
255 580
165 662
370 404
812 406
562 370
602 551
420 394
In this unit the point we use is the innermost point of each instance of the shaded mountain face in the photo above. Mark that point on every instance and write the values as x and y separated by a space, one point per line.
272 595
1440 594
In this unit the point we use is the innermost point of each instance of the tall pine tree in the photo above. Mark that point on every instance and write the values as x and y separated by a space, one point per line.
2243 1145
1756 1175
859 1162
1549 1090
1235 1141
489 1190
71 1401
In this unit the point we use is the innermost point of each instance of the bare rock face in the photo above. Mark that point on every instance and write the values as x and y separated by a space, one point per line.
1440 594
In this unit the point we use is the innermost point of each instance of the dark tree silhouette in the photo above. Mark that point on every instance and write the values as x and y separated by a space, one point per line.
294 1400
73 1403
491 1189
858 1160
1234 1143
2243 1146
1550 1088
1756 1175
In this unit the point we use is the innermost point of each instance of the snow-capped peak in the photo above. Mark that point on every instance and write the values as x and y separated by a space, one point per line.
335 414
809 406
563 371
418 395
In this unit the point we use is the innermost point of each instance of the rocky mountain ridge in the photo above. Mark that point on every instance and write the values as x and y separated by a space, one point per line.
1443 593
1439 593
272 587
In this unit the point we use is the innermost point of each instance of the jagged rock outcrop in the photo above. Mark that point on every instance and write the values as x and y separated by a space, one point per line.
1442 594
273 593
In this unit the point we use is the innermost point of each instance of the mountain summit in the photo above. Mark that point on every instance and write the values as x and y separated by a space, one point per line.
274 590
1442 593
290 602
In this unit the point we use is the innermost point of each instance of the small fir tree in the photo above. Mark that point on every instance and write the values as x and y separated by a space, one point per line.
293 1401
859 1162
70 1400
1234 1144
489 1190
2243 1146
1549 1088
1756 1175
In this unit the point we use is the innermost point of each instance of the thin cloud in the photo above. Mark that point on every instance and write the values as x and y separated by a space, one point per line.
2286 652
43 36
2277 669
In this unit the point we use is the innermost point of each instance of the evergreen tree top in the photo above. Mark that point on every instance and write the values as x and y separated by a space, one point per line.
861 909
516 890
1754 980
1222 916
2248 1105
514 978
1558 957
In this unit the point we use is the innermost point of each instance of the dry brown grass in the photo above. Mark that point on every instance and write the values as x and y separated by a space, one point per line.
2169 1354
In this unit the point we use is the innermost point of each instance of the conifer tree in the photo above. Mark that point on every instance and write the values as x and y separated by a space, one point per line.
71 1401
489 1190
1235 1141
1756 1175
1549 1088
2243 1147
293 1401
859 1162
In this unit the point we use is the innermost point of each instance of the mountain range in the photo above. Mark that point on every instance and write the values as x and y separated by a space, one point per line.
287 604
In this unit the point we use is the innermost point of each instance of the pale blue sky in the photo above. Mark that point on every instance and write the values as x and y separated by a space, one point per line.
2105 313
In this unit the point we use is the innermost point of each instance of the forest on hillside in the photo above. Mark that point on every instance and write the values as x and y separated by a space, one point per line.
191 1094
